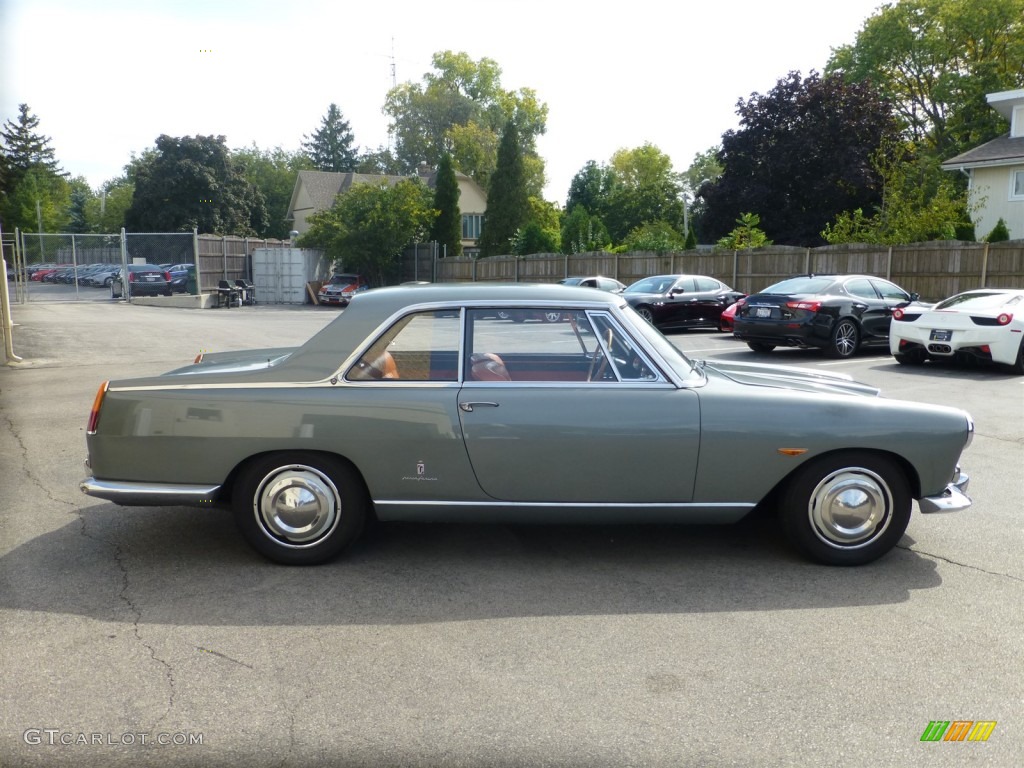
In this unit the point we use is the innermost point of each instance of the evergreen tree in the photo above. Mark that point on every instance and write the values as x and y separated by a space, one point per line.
330 147
25 149
447 228
508 204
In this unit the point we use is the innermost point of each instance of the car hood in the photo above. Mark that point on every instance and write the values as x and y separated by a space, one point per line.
784 377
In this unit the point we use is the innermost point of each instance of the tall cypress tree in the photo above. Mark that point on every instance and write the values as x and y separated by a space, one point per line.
508 205
447 228
330 147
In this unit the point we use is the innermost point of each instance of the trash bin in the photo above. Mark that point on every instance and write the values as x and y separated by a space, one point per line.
191 283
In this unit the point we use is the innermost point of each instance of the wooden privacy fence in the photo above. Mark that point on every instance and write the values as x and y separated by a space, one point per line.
935 270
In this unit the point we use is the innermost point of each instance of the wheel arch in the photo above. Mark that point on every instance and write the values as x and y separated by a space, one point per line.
907 468
227 490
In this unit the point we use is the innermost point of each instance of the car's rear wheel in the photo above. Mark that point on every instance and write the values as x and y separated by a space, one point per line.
760 346
300 508
846 509
913 357
844 340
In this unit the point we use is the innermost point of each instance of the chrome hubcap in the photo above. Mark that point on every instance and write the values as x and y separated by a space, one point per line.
297 505
850 508
646 315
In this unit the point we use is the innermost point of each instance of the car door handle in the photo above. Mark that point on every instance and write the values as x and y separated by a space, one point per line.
468 407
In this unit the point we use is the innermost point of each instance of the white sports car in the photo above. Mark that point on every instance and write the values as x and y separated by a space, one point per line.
985 324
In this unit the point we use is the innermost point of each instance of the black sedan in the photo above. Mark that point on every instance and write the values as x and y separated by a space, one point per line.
838 314
672 302
143 279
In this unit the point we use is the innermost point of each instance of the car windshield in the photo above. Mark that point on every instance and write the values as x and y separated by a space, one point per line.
800 285
651 285
980 301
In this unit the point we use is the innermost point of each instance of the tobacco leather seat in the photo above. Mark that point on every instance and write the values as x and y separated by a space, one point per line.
383 367
487 366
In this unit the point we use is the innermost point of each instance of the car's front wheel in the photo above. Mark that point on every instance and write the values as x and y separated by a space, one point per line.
646 314
846 509
300 508
844 340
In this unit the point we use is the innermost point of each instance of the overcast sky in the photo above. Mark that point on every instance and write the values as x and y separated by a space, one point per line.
107 77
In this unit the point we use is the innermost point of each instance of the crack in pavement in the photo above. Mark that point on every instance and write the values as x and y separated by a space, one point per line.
961 565
137 614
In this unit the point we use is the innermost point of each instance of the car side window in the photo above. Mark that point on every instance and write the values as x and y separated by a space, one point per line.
861 288
890 291
551 345
685 285
423 346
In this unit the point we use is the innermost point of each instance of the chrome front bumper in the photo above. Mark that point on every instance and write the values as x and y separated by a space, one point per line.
953 499
150 494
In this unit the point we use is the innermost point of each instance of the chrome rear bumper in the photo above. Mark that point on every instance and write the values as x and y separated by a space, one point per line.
149 494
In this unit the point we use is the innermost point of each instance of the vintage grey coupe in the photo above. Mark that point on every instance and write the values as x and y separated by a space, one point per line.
420 403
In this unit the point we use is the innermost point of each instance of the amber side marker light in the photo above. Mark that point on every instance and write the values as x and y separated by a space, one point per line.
791 451
199 359
94 414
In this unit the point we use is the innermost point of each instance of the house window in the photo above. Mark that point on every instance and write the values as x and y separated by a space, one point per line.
472 223
1017 185
1017 122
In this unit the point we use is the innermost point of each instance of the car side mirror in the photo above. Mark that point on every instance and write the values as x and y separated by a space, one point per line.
915 296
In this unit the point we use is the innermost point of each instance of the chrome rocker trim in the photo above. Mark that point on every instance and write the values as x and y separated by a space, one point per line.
953 499
149 494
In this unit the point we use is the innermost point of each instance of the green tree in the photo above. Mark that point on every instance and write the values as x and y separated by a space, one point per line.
330 147
38 203
643 189
273 172
589 188
803 152
461 108
78 203
534 238
192 182
936 60
1000 233
105 210
583 232
918 204
380 162
370 225
747 235
447 227
26 152
657 236
508 204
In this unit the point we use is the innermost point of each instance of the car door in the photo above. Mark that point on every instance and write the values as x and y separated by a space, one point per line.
893 296
680 303
872 311
575 413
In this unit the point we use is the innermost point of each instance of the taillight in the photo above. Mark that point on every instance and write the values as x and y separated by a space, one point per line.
94 414
897 314
1004 318
131 277
167 276
810 306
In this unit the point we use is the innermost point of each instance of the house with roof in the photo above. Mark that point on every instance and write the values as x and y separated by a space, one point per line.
316 190
996 170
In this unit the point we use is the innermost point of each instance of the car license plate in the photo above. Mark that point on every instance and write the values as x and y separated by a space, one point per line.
941 336
764 312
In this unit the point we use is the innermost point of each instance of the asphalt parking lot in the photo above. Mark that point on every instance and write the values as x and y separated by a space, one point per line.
153 636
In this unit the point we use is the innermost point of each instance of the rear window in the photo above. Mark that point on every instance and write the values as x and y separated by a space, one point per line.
980 301
800 285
